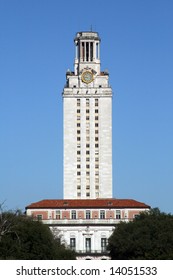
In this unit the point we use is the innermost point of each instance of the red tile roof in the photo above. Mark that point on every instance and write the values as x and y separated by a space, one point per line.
87 203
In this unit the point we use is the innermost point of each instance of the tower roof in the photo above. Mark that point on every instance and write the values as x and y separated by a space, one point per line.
87 35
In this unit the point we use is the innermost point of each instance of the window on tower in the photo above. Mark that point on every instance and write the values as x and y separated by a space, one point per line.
87 51
91 51
96 103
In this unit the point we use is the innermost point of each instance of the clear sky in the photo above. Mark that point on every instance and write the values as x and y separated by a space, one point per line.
36 49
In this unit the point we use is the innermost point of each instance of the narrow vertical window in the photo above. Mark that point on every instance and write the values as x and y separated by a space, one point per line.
72 243
88 214
83 51
87 51
97 50
73 214
91 51
102 214
88 244
103 244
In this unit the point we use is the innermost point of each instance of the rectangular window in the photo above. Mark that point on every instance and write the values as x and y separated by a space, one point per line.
88 214
78 111
78 152
73 214
102 214
97 194
96 124
103 244
78 138
78 124
58 215
78 131
39 217
72 243
78 173
87 102
118 214
96 102
78 165
88 244
96 180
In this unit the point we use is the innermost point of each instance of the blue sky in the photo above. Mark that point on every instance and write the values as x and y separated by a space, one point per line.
36 49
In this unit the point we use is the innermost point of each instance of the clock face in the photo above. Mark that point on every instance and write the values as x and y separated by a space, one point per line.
87 77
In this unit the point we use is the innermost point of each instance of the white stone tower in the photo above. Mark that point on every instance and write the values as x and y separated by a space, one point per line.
87 98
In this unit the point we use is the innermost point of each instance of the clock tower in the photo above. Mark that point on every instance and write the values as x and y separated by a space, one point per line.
87 101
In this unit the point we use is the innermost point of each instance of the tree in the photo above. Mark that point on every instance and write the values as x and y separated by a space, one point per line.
23 238
149 236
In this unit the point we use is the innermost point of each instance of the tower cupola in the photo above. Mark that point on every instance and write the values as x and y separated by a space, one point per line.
87 51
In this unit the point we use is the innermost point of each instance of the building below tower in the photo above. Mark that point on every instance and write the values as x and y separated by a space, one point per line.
85 225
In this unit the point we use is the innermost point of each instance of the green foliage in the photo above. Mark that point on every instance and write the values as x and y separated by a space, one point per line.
23 238
149 236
